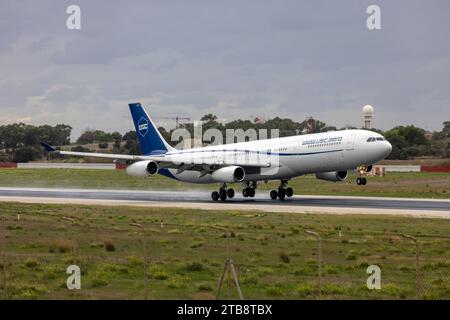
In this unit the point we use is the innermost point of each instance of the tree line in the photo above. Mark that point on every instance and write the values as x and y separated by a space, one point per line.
21 143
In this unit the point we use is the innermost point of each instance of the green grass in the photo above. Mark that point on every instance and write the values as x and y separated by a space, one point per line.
421 185
177 269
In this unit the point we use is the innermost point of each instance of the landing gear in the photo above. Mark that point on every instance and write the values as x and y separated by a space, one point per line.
223 193
215 195
282 191
249 189
361 180
273 194
289 192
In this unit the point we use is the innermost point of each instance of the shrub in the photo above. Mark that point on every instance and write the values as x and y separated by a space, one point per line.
178 282
304 289
109 245
31 263
196 244
156 272
330 288
26 291
204 287
194 266
62 246
274 291
284 257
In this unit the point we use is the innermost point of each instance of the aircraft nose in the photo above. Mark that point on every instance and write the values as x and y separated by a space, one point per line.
388 148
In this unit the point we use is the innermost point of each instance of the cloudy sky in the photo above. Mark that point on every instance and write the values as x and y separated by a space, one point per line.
237 59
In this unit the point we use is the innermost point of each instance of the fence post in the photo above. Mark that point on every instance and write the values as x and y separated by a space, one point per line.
416 242
319 260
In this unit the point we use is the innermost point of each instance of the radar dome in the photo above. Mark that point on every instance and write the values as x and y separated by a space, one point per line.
367 109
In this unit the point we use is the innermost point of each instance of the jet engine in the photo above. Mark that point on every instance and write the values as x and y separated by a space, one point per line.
332 176
229 174
143 168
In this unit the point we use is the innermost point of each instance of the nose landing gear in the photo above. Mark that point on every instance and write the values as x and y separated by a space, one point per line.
361 180
282 191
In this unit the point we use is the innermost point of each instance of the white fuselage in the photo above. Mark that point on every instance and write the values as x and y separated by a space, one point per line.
289 156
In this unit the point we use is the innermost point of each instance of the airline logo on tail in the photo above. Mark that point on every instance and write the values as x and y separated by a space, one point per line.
143 126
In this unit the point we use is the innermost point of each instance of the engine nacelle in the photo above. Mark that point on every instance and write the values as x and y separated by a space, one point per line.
229 174
143 168
332 176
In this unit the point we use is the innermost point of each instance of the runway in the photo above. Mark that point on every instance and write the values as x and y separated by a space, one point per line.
202 200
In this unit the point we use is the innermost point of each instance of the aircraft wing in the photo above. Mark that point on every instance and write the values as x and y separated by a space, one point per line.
176 161
99 155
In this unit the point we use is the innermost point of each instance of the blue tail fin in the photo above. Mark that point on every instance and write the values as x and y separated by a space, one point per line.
150 139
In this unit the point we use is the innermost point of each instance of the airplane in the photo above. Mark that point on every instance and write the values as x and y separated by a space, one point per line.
328 155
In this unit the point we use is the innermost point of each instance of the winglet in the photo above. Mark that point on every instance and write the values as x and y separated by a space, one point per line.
48 147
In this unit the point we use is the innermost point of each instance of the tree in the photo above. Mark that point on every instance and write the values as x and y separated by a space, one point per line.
88 136
25 154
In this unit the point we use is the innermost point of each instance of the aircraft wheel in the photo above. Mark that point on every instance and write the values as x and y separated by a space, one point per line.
358 181
230 193
223 194
289 192
273 194
245 192
281 193
215 195
251 192
363 181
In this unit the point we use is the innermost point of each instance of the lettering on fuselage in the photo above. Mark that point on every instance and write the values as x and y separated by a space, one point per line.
322 140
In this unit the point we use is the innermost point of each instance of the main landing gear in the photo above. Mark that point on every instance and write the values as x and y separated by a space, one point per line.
249 189
361 180
282 191
223 193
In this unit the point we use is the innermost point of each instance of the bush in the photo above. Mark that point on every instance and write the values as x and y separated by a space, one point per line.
178 282
194 266
62 246
304 289
204 287
284 257
25 154
274 291
196 244
330 288
109 245
103 145
80 149
158 273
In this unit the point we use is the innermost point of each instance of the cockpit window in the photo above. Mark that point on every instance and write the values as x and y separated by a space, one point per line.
371 139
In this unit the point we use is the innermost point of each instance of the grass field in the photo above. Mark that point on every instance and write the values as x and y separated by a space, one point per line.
420 185
274 256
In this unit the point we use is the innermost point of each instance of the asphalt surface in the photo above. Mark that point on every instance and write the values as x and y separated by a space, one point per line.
261 199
